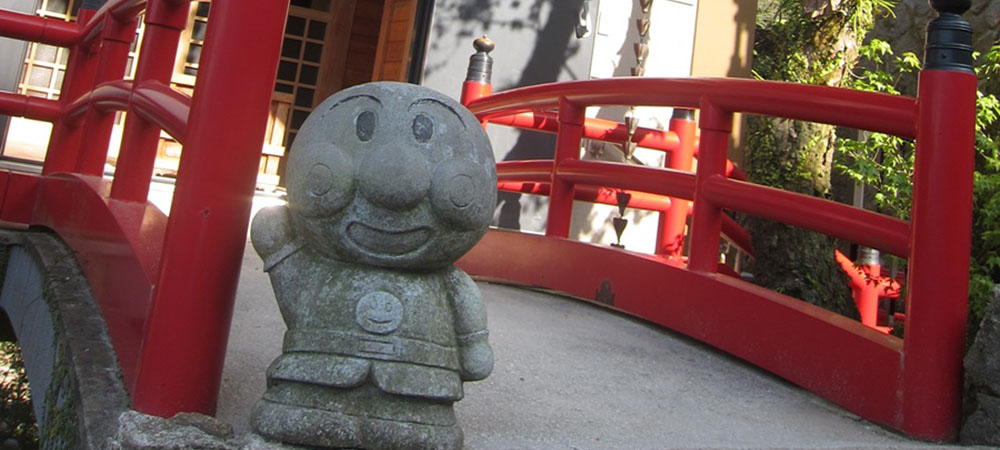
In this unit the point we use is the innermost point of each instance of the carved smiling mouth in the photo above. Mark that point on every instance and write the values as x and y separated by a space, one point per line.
387 242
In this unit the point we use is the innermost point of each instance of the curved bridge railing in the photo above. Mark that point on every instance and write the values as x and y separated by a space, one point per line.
911 384
166 287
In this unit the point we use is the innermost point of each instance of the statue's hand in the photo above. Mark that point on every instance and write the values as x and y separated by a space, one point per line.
477 359
271 234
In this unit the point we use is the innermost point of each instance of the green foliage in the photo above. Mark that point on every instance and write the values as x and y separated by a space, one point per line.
881 162
885 163
16 415
814 43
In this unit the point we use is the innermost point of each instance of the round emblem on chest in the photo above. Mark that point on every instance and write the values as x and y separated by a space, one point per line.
379 312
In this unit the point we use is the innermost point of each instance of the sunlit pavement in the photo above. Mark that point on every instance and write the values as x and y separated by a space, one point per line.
573 375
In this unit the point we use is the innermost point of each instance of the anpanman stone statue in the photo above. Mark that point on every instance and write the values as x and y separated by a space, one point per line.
388 185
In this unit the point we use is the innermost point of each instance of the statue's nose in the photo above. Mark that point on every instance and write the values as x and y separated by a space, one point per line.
395 178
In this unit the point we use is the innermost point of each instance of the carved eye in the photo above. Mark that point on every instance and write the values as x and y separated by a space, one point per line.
423 128
365 126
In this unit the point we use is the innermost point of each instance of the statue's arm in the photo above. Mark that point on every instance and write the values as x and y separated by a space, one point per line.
272 235
470 326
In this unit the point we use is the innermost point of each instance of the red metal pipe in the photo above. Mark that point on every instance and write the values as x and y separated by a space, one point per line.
626 176
594 194
670 232
527 171
856 109
64 142
25 27
856 225
473 90
30 107
593 128
140 138
937 290
163 106
123 11
180 367
867 286
737 235
115 42
571 118
640 200
706 221
153 101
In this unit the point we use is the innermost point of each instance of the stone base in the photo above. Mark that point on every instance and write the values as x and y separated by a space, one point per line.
327 429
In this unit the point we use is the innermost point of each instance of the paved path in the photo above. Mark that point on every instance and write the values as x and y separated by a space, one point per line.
570 375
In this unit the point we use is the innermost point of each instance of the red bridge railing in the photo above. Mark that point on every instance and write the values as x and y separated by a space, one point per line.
911 384
166 286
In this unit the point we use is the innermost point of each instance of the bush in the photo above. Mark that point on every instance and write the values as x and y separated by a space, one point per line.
17 419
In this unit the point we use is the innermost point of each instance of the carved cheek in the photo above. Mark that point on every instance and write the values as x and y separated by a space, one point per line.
327 185
461 193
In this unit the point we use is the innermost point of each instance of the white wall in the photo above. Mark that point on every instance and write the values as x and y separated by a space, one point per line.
671 44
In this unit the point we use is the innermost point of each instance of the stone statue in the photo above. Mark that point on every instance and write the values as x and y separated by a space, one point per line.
388 185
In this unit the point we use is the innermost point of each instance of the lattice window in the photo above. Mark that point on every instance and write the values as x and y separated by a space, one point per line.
45 65
301 58
189 55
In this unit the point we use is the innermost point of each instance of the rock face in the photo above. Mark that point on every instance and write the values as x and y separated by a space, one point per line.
982 369
388 185
908 29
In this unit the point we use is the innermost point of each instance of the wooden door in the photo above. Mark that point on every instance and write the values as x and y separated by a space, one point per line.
392 59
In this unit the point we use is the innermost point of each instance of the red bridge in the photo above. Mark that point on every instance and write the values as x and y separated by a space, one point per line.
166 286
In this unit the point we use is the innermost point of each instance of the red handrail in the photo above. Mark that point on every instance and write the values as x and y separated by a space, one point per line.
870 111
166 287
919 393
155 102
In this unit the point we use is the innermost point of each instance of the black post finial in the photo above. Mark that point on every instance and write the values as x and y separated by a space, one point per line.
481 63
951 6
949 38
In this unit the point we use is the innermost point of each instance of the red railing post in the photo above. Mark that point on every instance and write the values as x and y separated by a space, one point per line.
164 22
937 290
181 362
706 220
116 38
562 192
478 78
670 234
81 68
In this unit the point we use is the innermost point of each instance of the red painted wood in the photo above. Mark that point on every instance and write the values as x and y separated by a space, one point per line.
180 367
835 219
670 230
856 109
32 28
937 288
116 244
831 355
140 138
706 217
571 118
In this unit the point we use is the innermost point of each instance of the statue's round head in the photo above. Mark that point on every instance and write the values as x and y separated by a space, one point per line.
392 175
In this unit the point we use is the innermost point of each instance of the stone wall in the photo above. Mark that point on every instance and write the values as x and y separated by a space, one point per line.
906 32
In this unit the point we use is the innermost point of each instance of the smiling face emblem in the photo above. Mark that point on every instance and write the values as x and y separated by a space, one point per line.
379 312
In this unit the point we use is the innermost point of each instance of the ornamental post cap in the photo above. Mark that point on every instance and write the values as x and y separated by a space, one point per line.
951 6
483 44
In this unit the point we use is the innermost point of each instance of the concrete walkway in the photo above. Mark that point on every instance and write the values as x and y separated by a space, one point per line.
570 375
